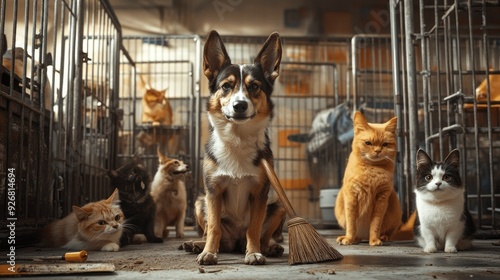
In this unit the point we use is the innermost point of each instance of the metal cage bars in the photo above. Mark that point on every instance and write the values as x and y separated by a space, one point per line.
442 60
44 98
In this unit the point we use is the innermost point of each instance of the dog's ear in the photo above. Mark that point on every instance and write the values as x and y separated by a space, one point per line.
269 57
215 56
161 158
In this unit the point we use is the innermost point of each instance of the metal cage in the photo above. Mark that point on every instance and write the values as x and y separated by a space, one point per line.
450 100
58 104
169 63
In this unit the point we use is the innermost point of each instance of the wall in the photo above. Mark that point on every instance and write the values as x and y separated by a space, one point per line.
258 17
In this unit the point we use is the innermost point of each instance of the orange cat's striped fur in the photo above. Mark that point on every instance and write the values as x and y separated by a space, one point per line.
367 206
95 226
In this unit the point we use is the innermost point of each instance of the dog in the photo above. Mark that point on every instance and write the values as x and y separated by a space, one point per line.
235 213
169 194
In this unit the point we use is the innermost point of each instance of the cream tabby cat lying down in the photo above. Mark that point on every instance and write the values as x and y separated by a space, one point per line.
93 227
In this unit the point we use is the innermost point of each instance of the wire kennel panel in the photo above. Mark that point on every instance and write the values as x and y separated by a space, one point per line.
372 76
455 68
25 110
169 63
94 138
53 121
312 80
127 108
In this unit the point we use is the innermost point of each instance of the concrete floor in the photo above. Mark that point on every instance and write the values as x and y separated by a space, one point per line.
395 260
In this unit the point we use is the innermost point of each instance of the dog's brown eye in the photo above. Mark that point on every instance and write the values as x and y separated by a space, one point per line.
253 87
226 86
428 177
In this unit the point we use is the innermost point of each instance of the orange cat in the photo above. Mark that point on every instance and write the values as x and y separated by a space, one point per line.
156 108
367 206
482 89
95 226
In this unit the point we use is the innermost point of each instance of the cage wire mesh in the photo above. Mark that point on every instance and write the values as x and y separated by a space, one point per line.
170 65
455 69
25 98
58 110
99 90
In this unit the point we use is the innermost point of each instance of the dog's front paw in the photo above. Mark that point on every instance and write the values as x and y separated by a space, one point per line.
179 235
207 258
110 247
255 259
376 242
193 246
344 240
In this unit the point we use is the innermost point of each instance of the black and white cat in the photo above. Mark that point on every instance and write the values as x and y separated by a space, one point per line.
443 222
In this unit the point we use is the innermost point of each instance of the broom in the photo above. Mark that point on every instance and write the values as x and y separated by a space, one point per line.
306 245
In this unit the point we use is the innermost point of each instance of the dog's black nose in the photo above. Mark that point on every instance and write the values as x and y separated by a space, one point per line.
240 106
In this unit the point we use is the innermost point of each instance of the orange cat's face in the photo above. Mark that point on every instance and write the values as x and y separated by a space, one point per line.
375 143
153 95
101 218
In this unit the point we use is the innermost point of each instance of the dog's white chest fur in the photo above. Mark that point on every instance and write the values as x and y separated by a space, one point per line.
235 147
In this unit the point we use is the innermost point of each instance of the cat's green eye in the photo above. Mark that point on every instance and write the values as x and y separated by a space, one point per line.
117 218
368 143
428 177
101 222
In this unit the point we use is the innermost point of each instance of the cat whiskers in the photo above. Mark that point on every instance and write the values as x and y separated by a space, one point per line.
392 160
130 228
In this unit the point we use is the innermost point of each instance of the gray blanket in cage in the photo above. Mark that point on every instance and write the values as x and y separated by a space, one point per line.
328 125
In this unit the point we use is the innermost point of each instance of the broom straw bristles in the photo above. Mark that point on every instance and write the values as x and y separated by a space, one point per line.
306 245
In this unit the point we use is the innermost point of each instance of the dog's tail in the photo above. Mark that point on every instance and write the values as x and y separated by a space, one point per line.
405 232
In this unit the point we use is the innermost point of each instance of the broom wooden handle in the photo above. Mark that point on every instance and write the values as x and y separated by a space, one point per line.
278 188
